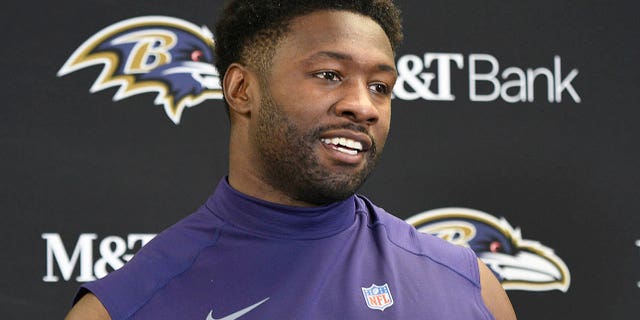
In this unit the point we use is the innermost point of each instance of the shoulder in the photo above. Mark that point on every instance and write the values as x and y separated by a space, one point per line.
176 246
168 255
88 308
494 296
458 259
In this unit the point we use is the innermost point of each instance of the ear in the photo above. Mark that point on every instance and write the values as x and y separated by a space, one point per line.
238 89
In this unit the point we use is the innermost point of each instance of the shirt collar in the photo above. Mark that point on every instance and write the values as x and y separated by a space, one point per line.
275 220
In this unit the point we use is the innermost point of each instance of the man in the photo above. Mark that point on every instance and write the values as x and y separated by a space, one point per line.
308 86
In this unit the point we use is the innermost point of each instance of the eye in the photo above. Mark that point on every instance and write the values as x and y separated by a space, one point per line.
197 55
495 247
328 75
379 88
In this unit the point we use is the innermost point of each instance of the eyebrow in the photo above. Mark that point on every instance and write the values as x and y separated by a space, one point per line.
341 56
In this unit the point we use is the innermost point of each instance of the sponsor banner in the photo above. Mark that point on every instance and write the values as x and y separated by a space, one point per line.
113 123
488 80
519 264
81 262
174 59
152 54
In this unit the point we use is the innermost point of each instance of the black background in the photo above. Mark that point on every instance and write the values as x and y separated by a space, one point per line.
566 173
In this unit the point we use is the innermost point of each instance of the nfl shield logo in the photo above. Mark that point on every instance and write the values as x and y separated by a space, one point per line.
378 297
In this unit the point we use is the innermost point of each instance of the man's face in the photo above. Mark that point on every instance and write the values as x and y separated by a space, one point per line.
325 107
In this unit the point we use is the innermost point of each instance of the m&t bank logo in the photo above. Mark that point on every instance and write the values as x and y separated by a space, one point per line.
430 77
114 252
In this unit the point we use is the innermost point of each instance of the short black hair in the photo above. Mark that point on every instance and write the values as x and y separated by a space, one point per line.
248 30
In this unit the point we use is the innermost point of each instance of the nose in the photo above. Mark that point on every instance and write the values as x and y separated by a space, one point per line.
357 104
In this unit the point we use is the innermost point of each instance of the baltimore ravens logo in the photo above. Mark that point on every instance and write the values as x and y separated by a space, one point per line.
518 263
168 56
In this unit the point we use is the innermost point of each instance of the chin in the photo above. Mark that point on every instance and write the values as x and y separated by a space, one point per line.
330 189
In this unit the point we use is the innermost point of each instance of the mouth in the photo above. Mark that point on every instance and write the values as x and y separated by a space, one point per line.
347 145
344 145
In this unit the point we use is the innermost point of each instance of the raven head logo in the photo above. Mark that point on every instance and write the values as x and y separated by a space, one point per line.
518 263
165 55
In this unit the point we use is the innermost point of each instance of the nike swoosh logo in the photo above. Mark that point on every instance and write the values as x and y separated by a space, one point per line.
237 314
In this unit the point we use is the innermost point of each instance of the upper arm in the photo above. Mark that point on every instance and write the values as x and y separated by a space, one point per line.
88 308
494 296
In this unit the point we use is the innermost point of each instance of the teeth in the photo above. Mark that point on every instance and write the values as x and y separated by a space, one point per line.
345 142
354 144
348 151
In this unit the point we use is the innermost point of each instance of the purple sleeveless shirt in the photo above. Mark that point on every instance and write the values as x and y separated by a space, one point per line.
238 257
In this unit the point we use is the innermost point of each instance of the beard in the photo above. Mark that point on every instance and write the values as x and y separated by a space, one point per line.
289 162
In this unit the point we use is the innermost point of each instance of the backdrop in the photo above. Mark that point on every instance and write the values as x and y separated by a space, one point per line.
514 123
